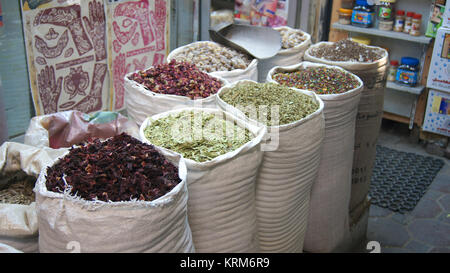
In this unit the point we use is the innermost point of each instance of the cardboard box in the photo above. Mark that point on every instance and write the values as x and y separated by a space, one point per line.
436 18
446 16
437 115
439 73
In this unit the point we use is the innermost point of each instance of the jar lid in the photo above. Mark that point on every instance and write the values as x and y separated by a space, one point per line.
400 12
410 61
394 63
410 13
417 16
362 3
345 11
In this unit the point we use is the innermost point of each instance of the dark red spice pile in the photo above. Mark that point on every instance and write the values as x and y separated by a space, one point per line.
321 80
119 169
178 78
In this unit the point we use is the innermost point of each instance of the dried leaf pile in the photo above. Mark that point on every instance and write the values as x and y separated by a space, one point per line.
197 135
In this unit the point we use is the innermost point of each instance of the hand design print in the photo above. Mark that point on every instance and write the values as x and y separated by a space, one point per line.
49 89
95 26
120 69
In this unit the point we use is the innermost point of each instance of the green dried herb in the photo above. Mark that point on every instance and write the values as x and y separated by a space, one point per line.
271 104
17 188
197 135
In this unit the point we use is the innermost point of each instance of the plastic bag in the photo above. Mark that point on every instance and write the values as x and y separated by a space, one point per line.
68 128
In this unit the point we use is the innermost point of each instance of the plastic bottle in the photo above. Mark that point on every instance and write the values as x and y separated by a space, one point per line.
415 25
399 21
363 14
392 72
408 71
408 21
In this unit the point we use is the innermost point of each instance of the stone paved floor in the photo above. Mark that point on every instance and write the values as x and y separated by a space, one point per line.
425 229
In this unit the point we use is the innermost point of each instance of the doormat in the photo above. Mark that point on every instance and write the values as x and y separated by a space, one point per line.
400 179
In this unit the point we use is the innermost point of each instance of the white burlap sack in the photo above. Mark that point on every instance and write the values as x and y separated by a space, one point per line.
8 249
328 222
285 178
142 103
284 57
221 204
368 119
18 223
37 133
71 224
250 73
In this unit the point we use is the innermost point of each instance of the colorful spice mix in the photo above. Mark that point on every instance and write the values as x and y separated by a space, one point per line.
346 51
197 135
211 57
17 188
178 78
321 80
119 169
292 105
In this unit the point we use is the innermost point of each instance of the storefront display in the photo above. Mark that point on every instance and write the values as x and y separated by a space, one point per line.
207 146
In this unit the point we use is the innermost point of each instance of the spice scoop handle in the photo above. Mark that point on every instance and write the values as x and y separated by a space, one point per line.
259 42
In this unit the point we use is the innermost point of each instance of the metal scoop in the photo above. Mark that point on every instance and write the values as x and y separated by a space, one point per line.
260 42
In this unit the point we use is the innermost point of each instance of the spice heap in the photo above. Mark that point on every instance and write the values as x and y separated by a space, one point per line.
197 135
292 105
177 78
291 37
210 57
119 169
347 51
17 188
321 80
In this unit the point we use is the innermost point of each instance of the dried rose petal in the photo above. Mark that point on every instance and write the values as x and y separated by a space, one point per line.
178 78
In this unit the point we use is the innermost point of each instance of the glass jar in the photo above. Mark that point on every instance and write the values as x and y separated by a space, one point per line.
415 25
385 25
408 21
399 21
408 71
363 14
392 71
386 10
345 16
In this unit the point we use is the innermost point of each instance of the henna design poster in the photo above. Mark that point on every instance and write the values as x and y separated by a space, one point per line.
138 34
66 51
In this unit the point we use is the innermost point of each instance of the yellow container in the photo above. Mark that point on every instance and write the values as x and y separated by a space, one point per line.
361 40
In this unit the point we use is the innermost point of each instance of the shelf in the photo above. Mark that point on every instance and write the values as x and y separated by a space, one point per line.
417 90
384 33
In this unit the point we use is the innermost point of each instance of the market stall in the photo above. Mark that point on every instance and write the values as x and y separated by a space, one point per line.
140 145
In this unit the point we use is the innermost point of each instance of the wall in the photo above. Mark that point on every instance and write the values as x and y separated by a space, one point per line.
13 70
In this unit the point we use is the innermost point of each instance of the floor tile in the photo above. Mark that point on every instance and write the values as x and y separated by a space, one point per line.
387 232
432 232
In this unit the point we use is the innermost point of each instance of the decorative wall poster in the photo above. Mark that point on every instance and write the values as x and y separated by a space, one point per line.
66 49
437 116
138 34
